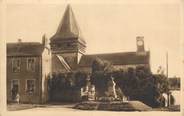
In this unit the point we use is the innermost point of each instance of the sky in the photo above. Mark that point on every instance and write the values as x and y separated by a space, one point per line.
106 27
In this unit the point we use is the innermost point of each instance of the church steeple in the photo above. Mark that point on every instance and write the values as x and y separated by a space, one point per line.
68 42
68 27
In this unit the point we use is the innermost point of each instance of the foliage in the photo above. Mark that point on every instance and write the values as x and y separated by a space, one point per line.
174 83
80 79
67 80
101 65
137 84
67 85
162 83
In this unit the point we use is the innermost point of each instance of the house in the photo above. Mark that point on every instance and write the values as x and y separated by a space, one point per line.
28 70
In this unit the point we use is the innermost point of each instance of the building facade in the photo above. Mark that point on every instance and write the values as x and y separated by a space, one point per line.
28 69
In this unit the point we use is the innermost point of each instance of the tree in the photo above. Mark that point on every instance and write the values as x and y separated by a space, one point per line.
136 83
174 83
102 65
162 83
101 72
66 86
80 79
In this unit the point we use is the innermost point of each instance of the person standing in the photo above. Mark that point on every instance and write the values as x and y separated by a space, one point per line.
18 98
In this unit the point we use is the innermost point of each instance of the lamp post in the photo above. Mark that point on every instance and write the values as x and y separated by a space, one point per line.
168 94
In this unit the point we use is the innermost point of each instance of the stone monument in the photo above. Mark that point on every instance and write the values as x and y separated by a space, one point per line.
111 90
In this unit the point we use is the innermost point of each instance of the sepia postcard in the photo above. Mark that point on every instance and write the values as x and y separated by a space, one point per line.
76 57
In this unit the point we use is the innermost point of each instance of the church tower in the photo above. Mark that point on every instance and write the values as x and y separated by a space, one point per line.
140 44
68 42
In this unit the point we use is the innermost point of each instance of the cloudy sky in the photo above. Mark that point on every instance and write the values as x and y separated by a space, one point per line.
107 27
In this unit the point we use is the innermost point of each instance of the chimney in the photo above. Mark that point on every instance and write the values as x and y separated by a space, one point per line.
140 38
45 41
19 40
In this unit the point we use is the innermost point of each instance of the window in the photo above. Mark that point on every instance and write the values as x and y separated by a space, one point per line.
30 86
31 64
14 84
16 64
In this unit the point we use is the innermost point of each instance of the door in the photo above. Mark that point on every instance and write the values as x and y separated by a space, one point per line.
14 89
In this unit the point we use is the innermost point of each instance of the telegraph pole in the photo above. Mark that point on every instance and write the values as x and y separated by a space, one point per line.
167 75
167 65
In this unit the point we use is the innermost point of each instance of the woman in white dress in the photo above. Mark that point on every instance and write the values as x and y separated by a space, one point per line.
17 98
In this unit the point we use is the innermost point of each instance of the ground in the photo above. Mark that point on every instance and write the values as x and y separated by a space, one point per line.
63 107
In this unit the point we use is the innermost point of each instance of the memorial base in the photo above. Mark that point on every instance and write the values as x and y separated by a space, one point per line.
113 106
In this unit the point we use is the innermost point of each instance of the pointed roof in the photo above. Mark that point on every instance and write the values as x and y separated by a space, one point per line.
68 27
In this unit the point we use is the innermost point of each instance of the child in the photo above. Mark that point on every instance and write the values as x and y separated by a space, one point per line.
17 98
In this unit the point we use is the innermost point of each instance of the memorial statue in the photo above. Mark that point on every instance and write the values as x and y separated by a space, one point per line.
111 90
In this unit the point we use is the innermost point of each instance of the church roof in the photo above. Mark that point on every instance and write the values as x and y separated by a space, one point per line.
63 62
123 58
59 64
68 27
24 49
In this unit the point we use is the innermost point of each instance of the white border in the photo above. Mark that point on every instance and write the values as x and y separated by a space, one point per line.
58 113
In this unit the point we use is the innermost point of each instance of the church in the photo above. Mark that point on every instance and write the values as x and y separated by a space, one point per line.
68 49
68 54
29 64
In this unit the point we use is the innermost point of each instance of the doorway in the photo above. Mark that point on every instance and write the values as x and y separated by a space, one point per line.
14 89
